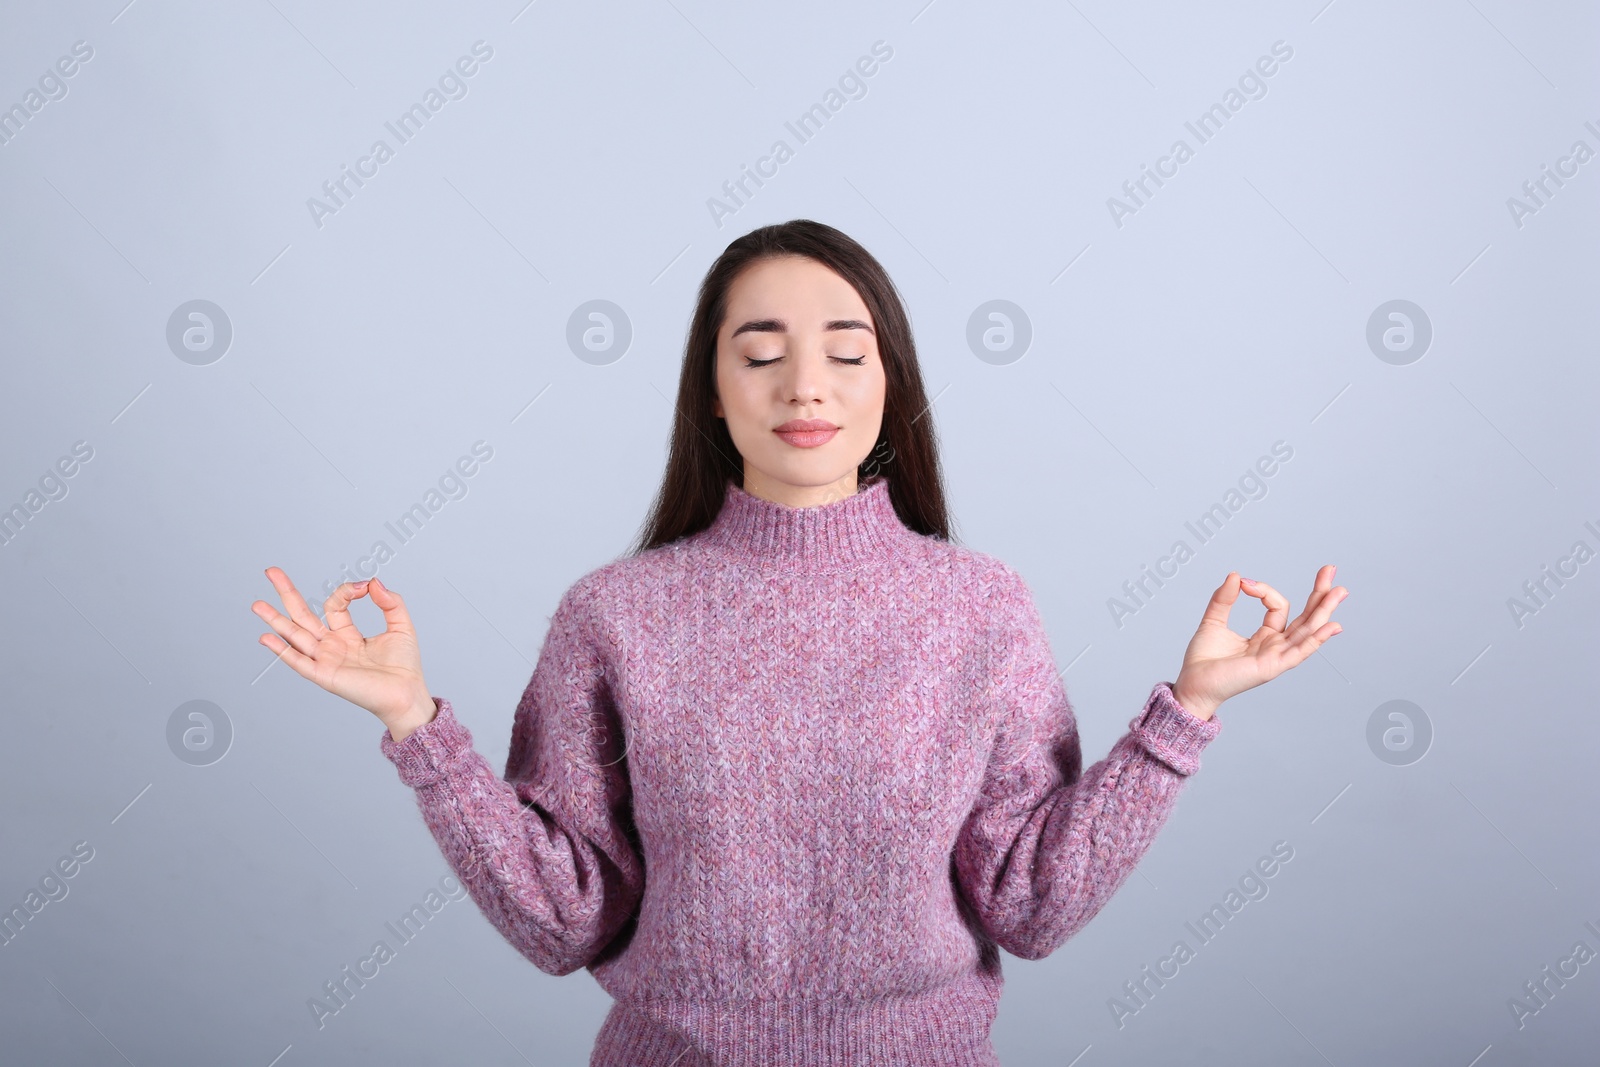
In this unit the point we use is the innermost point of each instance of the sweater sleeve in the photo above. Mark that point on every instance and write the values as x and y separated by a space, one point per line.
549 851
1047 844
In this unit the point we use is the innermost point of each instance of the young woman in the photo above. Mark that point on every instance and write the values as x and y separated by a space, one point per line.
836 741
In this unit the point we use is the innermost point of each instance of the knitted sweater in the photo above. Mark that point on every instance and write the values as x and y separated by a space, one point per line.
843 754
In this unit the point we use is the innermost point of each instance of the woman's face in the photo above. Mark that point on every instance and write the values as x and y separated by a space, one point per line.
797 343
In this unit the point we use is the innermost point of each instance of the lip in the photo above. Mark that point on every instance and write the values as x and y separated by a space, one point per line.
807 433
805 424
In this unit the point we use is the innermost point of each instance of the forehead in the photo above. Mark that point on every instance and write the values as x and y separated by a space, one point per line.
792 287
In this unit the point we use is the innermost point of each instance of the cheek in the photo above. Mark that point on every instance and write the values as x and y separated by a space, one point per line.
868 392
740 405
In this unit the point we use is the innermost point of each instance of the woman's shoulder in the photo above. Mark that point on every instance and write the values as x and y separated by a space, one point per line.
981 570
630 579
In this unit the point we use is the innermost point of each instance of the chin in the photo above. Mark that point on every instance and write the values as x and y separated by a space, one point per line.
809 471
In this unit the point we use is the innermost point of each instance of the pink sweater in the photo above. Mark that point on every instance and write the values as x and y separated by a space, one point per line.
843 754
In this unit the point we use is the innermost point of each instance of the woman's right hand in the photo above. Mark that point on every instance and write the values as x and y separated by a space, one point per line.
382 673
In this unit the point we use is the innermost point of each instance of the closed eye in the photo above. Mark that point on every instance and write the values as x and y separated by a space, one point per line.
857 362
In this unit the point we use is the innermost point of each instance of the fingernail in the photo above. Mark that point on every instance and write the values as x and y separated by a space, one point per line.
1248 581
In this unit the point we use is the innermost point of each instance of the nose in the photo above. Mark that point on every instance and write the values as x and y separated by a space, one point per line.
804 380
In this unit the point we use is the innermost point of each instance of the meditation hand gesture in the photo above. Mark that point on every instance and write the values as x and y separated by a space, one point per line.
1219 663
382 673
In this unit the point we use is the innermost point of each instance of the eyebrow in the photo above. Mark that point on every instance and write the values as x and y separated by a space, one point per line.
779 326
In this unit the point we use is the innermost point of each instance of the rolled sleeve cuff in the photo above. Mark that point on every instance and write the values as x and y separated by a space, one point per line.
424 756
1170 733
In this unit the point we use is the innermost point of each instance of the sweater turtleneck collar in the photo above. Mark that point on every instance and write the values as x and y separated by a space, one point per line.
837 535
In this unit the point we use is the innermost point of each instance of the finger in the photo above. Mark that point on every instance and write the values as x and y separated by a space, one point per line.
299 610
1222 600
1330 600
1276 603
1324 579
302 665
337 607
1298 649
1319 590
297 635
395 616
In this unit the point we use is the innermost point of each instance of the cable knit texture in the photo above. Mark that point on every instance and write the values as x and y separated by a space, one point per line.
844 755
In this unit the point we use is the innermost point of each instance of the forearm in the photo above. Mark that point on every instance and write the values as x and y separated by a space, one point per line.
547 887
1045 864
1079 847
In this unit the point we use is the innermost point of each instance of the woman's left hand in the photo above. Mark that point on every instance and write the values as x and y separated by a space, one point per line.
1219 664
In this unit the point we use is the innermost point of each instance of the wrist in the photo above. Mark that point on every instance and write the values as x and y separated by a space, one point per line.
419 716
1200 709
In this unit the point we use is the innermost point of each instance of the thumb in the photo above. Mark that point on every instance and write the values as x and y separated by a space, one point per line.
1221 602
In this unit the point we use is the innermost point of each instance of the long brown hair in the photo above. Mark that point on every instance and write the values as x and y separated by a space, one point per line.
702 457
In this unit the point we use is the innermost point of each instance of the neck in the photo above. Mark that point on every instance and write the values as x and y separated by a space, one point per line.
840 534
798 496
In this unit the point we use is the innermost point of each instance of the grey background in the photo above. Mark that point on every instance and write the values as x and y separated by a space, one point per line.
1167 355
